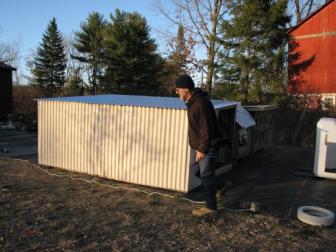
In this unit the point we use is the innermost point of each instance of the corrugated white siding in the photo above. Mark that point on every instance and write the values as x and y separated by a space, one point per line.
140 145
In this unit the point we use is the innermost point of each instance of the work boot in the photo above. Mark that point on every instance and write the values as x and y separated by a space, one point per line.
220 193
203 211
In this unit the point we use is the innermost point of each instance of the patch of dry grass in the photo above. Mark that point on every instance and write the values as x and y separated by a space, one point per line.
42 212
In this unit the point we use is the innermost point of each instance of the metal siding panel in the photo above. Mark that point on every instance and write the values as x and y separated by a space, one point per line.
108 147
175 139
41 134
107 137
167 148
172 144
158 143
74 137
147 152
61 134
134 144
182 171
95 133
185 156
123 144
79 136
65 137
39 137
132 131
45 136
186 172
117 144
70 129
139 128
84 135
98 141
58 135
160 133
102 139
163 151
50 140
151 136
154 171
89 143
114 146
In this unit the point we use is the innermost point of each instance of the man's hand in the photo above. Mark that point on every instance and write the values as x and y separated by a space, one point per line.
199 156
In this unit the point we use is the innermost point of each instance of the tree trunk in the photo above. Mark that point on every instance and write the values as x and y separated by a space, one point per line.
212 44
210 65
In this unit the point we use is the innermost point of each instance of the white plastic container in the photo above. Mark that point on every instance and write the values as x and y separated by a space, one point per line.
325 150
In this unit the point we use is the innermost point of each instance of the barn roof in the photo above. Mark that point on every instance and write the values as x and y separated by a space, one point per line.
310 16
5 66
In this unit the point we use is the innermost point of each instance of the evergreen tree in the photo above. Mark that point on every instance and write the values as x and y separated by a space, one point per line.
254 40
89 45
132 64
50 62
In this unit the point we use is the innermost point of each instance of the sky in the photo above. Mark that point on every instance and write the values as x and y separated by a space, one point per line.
26 20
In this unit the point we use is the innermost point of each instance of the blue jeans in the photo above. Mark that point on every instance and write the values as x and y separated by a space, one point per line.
207 168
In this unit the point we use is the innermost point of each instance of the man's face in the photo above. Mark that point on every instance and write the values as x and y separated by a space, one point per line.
183 93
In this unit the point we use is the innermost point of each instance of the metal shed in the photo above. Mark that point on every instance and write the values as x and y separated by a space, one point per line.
5 89
136 139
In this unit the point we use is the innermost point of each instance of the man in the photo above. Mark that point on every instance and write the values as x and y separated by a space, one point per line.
204 138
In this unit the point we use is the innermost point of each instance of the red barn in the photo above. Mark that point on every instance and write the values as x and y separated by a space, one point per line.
312 55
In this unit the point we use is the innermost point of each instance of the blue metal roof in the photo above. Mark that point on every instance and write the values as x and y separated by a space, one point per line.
135 100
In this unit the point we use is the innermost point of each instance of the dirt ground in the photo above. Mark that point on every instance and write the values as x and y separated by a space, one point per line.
48 213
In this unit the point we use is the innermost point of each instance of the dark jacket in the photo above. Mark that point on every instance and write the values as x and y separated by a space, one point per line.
203 128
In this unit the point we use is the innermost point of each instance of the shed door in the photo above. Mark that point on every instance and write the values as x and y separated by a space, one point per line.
226 120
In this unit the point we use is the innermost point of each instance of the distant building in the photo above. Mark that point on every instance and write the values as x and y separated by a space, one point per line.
6 84
312 55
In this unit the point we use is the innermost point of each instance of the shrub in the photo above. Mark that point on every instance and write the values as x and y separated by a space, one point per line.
24 106
296 119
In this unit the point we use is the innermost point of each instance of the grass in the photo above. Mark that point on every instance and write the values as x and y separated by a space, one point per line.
43 212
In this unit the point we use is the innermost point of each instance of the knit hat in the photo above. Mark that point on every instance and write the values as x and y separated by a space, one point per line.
184 81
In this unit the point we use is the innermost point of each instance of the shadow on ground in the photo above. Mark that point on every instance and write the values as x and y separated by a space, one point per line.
280 179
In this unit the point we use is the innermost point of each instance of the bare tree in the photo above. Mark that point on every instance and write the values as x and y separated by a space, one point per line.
73 66
301 9
202 19
10 54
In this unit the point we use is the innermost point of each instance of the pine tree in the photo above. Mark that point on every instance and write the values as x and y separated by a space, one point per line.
50 62
254 41
90 47
132 64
